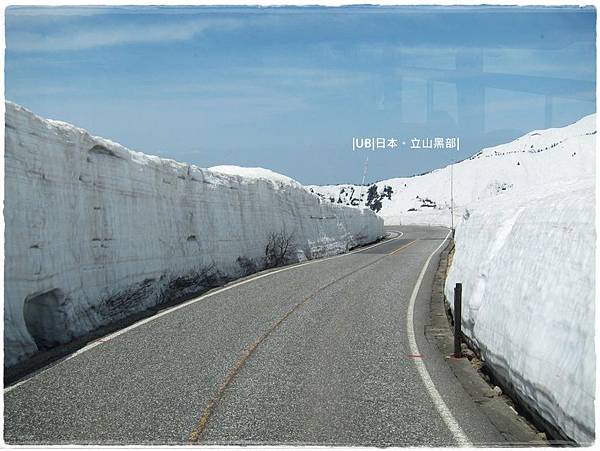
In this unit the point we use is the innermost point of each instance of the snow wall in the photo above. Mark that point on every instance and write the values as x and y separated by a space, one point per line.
527 265
95 232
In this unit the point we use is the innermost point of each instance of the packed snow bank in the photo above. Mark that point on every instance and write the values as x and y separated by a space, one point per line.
540 157
527 268
96 232
256 173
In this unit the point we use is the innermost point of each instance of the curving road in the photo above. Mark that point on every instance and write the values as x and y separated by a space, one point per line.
317 353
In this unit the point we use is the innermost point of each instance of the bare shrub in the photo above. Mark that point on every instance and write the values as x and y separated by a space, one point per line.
247 265
197 278
169 288
125 301
279 249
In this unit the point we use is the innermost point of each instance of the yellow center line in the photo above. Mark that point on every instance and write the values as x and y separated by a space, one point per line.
249 350
401 248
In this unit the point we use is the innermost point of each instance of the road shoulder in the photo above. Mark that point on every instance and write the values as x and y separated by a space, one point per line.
498 408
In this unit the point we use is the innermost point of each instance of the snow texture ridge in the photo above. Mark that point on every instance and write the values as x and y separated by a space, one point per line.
527 266
96 232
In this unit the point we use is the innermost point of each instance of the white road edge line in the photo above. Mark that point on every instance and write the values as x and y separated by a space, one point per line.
437 399
109 337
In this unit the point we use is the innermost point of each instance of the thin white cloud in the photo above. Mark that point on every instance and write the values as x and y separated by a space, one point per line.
60 11
566 62
309 77
266 80
86 38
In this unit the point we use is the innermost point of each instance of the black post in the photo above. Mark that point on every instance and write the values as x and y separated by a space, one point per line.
457 319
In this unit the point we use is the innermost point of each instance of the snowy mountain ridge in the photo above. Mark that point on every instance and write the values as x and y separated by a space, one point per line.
539 157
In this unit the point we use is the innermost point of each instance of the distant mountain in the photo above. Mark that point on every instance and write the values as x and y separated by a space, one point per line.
539 157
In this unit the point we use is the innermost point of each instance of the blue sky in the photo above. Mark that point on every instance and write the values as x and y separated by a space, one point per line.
288 88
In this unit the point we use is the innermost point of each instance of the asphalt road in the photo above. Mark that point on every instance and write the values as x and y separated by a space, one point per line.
313 354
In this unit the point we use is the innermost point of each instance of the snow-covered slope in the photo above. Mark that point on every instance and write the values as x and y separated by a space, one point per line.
540 157
95 232
526 258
